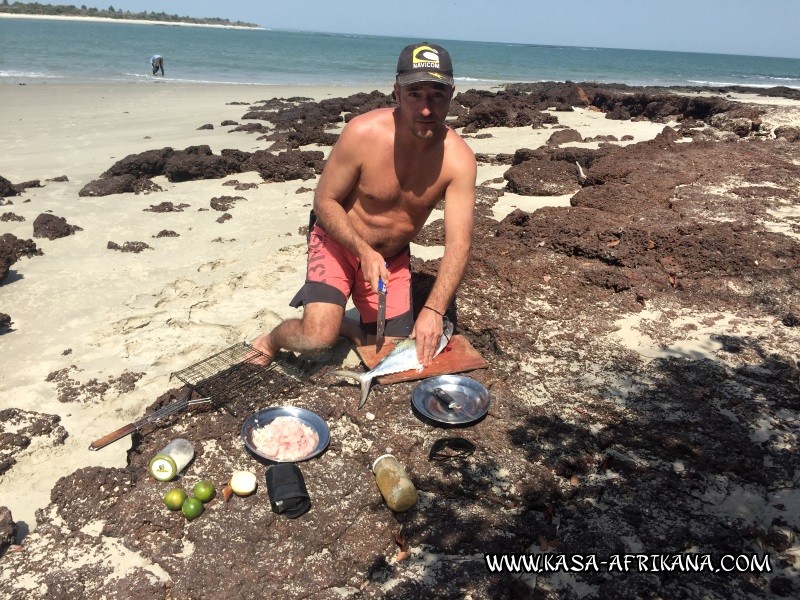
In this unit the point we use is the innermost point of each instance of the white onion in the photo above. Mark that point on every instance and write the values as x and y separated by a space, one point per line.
243 483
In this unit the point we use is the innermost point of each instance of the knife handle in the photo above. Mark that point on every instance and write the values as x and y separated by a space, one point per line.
381 284
113 437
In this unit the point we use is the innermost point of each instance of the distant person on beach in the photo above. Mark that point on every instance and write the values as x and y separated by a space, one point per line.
384 176
157 62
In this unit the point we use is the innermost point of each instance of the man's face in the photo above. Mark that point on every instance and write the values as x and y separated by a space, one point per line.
424 106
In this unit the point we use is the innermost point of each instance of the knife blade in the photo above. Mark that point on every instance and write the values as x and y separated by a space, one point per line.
381 326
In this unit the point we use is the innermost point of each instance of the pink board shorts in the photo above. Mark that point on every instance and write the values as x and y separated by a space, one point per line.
333 275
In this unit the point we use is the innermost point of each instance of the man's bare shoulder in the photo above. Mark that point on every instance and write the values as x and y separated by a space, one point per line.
369 123
457 146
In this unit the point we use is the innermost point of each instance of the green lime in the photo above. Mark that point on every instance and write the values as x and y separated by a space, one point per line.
174 499
192 508
204 490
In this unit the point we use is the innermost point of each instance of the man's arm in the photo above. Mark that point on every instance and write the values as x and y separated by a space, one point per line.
459 204
340 176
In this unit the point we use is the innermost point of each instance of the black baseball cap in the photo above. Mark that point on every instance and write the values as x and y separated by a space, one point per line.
424 62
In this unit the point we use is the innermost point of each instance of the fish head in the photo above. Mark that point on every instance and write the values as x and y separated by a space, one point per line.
447 333
447 327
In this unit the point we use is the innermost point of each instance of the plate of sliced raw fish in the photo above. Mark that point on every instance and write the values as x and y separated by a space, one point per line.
285 434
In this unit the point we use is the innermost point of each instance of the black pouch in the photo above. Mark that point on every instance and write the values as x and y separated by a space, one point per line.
287 490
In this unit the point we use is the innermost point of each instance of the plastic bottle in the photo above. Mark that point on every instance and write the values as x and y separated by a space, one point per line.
166 465
396 488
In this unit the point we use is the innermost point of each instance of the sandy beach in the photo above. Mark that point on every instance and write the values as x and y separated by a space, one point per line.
95 335
110 20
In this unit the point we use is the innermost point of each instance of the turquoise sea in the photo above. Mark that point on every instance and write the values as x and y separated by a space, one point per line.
53 51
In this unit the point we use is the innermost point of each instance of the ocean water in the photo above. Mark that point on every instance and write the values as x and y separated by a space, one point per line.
33 50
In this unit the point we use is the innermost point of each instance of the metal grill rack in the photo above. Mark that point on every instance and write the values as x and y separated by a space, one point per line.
233 382
217 363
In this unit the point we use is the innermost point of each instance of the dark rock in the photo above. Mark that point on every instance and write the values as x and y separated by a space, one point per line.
10 216
119 184
7 188
5 322
144 165
240 156
224 203
503 110
311 135
199 163
206 126
8 530
252 128
788 132
166 233
12 249
165 207
740 126
487 196
227 123
542 177
564 136
602 138
292 164
134 247
59 178
494 159
21 187
21 428
52 227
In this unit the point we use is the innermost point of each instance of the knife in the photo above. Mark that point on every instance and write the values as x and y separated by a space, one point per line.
381 327
161 413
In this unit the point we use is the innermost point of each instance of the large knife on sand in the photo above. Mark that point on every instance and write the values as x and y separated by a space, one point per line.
381 326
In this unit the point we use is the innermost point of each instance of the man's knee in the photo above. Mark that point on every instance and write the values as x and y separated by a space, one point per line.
320 336
322 340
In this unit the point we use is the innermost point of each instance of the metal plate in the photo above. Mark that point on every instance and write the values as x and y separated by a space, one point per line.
266 416
471 399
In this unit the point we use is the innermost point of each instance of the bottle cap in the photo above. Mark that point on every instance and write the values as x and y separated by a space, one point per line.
380 458
163 467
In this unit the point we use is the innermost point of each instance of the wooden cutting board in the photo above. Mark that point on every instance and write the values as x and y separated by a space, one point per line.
457 357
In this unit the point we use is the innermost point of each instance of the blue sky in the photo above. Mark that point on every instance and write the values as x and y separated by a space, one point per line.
755 27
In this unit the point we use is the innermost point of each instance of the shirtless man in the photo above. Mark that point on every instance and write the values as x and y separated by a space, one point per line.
385 174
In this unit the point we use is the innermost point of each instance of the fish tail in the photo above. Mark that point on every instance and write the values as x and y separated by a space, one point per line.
365 383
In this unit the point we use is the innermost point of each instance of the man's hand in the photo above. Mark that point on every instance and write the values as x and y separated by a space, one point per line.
427 331
373 266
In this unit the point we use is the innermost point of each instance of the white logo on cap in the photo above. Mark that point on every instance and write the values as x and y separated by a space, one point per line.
425 57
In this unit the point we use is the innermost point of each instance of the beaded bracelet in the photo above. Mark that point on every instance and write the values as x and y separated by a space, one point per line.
434 310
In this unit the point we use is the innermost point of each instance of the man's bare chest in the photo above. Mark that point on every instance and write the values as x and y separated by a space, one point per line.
415 186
